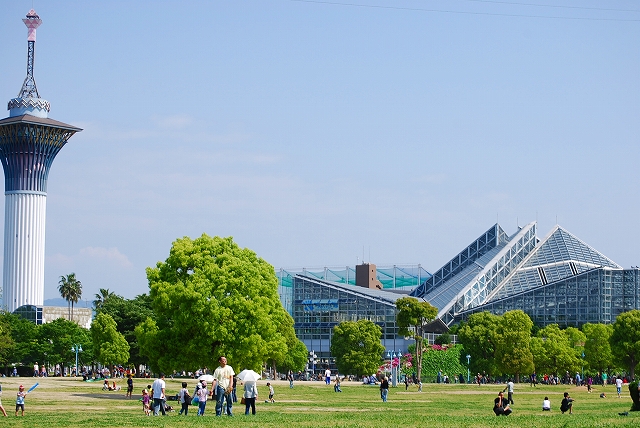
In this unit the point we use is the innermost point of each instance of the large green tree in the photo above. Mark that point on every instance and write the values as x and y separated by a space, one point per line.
70 289
211 298
412 317
597 349
625 340
512 344
296 358
478 337
356 347
128 313
7 342
553 350
55 340
24 335
109 345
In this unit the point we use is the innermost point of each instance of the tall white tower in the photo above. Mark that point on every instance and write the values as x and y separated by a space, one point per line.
29 141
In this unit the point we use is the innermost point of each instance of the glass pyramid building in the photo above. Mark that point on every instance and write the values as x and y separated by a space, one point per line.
556 280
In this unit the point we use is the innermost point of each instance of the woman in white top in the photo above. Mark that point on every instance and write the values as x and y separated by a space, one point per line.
250 395
546 404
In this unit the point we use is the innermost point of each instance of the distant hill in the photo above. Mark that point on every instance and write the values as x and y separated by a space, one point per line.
61 302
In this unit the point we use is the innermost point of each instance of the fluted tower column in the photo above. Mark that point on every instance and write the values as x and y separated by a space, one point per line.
29 141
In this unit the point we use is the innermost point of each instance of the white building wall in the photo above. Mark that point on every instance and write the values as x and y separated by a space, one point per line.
24 236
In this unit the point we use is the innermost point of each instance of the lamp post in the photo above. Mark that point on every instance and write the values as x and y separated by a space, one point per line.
398 366
312 360
395 370
468 371
391 355
76 348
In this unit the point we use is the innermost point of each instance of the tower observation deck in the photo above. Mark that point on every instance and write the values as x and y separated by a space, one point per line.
29 141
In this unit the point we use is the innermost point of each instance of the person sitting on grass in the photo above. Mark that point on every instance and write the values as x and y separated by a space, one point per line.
546 404
501 406
567 404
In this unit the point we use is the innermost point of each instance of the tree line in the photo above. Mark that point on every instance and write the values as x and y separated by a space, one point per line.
208 298
499 345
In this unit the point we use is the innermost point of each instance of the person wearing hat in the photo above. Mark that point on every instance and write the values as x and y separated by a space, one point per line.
202 395
20 400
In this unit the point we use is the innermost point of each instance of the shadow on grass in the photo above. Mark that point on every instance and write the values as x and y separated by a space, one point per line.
106 396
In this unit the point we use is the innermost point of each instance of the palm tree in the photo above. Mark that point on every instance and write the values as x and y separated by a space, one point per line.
102 297
71 290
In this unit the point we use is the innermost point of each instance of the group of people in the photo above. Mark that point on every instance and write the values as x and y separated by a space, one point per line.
154 398
502 405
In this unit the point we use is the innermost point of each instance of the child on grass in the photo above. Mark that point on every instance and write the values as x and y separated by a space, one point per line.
146 402
271 393
20 400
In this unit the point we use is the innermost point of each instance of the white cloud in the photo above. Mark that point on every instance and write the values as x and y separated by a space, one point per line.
179 121
110 255
91 255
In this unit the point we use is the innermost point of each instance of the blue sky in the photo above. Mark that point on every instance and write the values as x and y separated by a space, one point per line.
316 132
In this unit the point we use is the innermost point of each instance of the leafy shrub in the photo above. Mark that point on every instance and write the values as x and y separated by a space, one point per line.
443 339
446 359
635 396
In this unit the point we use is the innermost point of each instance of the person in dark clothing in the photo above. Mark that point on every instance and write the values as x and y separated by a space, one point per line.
567 404
384 389
501 405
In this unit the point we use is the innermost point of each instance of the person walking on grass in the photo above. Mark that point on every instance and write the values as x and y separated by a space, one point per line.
202 395
185 399
509 389
619 385
146 402
129 386
384 389
271 394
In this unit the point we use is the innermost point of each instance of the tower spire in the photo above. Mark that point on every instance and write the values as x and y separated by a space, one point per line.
28 100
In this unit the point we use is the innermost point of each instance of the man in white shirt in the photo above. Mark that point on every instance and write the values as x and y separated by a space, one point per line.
327 376
619 385
223 386
509 390
158 387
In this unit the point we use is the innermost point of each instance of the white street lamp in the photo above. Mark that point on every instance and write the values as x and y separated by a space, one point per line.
76 348
468 372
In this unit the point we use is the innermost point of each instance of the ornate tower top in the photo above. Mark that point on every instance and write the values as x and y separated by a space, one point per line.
28 100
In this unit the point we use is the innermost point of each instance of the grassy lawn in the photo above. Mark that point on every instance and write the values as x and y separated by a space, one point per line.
64 402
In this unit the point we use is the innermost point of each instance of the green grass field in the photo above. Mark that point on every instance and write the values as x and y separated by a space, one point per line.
65 402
